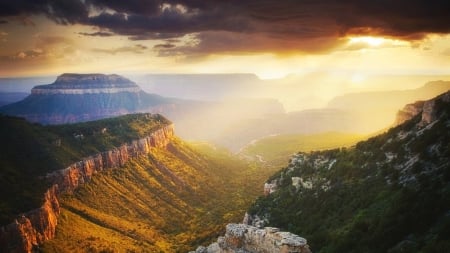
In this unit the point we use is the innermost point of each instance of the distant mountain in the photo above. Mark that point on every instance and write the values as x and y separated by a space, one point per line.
11 97
83 97
361 113
387 194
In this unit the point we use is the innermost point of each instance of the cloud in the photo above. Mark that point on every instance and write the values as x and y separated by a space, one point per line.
164 46
313 26
137 49
97 34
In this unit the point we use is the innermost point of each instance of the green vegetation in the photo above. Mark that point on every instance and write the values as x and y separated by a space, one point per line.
390 193
276 150
29 151
169 201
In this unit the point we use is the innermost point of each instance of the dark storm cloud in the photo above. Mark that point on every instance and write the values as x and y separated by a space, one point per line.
97 34
164 46
137 49
302 21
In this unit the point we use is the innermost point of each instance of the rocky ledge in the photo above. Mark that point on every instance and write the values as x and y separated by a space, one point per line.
248 239
87 84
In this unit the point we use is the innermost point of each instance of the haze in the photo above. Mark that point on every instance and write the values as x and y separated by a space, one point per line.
302 54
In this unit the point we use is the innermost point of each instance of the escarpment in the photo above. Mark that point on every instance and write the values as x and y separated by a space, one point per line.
427 109
70 178
32 228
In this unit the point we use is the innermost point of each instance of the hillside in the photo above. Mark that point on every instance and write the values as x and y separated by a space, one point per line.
117 190
355 113
30 151
387 194
276 150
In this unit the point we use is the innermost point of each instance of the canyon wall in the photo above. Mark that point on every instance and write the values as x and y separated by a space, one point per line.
70 178
82 91
427 109
31 229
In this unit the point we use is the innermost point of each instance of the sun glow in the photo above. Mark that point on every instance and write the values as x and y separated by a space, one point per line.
369 40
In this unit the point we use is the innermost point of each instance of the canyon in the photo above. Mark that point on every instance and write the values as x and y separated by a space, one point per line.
35 227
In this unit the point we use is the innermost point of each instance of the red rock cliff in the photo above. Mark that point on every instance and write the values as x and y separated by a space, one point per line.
35 227
32 228
70 178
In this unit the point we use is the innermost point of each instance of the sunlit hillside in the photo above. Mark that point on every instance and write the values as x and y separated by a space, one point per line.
277 150
170 201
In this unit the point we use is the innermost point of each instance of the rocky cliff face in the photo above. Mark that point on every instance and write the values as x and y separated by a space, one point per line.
247 239
426 108
70 178
34 227
86 84
83 97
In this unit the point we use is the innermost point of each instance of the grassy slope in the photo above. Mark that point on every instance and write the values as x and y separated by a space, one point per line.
169 201
276 150
29 151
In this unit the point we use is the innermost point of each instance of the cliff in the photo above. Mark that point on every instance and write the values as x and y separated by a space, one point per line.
70 178
427 109
248 239
86 84
33 228
84 97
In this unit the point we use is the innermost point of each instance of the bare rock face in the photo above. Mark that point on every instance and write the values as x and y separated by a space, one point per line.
32 228
248 239
87 84
427 109
76 174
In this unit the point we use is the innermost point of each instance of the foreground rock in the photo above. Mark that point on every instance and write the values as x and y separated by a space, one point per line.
248 239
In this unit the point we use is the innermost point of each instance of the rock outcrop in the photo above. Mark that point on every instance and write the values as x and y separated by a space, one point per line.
31 229
426 108
248 239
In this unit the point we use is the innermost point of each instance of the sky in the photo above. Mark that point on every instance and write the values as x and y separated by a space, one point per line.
271 38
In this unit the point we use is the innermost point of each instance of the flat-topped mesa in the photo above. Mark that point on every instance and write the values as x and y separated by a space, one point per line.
87 84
